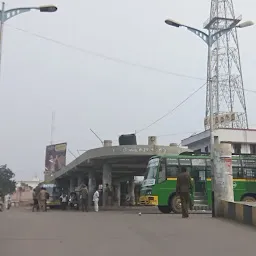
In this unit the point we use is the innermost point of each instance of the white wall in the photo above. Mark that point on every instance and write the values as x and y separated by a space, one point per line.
243 137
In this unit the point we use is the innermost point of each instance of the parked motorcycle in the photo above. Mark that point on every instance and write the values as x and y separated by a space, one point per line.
73 201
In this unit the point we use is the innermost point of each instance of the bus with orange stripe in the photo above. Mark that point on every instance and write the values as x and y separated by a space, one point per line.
159 185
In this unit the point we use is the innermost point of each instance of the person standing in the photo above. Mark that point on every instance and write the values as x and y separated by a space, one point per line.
64 201
7 200
96 196
108 195
35 201
84 198
183 189
43 195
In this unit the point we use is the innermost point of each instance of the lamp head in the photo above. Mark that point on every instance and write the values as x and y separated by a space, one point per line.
245 24
173 23
48 8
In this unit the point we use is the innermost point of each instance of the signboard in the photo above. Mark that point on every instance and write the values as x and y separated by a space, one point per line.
198 162
49 186
172 161
55 157
185 162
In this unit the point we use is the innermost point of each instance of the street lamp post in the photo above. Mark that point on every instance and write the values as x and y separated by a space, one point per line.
210 39
8 14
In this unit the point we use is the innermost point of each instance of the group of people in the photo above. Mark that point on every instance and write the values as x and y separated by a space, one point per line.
39 199
73 201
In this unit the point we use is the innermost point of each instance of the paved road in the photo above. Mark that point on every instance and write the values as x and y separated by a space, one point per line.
56 233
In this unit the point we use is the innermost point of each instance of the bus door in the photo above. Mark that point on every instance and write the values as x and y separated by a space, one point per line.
199 174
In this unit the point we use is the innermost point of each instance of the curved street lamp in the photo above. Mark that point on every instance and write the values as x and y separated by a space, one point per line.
8 14
210 39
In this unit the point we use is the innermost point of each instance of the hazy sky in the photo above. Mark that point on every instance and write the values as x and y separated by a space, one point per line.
87 91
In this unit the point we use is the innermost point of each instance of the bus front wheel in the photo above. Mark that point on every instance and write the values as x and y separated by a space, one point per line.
249 199
164 209
176 204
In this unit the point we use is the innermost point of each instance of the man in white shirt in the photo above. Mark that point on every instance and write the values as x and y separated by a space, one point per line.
64 201
7 200
96 196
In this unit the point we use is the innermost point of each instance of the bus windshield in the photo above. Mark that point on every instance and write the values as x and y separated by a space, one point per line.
150 176
53 190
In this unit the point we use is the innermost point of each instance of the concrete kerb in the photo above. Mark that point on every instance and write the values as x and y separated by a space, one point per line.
243 212
128 209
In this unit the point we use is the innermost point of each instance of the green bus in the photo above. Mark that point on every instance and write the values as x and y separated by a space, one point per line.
54 194
159 185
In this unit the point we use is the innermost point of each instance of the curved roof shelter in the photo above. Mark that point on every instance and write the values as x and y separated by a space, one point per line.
132 158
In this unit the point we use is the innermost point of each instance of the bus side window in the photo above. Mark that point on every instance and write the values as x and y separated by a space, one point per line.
172 171
208 173
237 172
250 173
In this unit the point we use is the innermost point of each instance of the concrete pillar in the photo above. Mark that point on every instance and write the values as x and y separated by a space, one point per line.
131 191
80 180
106 179
117 195
107 143
72 184
91 186
223 176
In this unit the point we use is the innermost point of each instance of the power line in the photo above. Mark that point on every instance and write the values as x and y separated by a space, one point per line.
247 90
100 55
175 134
171 111
105 57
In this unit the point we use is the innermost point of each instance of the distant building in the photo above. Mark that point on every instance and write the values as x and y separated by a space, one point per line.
28 183
243 141
24 189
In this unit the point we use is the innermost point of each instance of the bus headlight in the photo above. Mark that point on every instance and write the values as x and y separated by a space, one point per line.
149 192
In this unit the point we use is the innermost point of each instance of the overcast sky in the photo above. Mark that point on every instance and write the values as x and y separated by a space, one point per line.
87 91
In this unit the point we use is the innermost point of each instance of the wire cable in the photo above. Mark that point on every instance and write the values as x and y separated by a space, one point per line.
175 134
171 111
247 90
105 57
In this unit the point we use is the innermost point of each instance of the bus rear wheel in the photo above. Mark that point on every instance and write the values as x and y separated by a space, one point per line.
176 204
249 199
164 209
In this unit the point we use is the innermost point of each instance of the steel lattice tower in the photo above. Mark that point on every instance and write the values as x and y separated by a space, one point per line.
229 106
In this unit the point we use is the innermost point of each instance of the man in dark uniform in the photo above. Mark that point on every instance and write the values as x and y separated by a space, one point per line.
183 189
35 200
84 198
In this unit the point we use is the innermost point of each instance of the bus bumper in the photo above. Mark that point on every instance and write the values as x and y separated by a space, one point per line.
53 203
148 200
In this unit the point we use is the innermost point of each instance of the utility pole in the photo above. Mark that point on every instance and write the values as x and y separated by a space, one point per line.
224 75
223 182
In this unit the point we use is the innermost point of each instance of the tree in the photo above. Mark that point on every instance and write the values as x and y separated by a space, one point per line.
7 183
